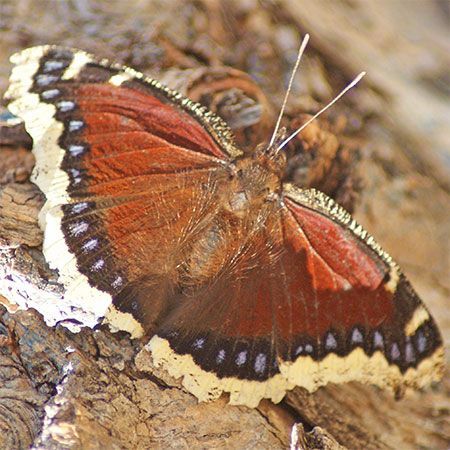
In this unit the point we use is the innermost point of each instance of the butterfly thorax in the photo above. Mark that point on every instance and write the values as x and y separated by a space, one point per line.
247 202
254 181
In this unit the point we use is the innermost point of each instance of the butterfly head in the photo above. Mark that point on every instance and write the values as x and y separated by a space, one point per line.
255 179
271 156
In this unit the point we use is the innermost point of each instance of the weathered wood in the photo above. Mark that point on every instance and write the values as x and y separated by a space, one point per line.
19 208
405 50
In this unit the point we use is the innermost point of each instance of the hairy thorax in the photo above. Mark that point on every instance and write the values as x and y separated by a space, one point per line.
252 185
250 198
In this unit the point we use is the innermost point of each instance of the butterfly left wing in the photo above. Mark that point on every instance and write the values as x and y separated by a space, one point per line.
128 167
309 298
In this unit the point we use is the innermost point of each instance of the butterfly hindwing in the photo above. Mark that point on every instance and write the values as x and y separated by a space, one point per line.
316 301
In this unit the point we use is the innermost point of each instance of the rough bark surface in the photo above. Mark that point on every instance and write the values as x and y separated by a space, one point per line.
382 151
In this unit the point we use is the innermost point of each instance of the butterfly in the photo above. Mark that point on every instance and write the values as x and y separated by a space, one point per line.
159 225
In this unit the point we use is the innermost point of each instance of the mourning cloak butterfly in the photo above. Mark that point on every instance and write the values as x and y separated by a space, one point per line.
159 225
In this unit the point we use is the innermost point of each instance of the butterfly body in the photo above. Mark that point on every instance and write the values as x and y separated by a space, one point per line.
251 185
160 226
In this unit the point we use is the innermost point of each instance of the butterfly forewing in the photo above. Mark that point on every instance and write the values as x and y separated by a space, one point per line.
362 299
127 167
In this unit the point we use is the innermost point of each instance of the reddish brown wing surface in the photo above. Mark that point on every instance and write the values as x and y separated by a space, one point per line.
309 298
129 168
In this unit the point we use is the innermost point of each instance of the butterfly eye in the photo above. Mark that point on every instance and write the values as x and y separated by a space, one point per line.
234 172
272 197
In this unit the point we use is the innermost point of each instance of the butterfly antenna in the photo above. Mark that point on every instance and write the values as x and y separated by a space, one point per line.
294 71
295 133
